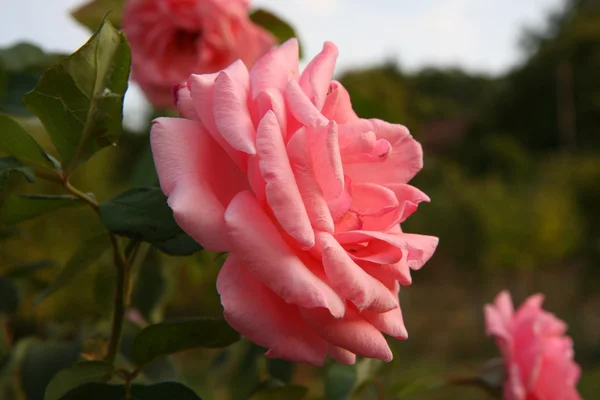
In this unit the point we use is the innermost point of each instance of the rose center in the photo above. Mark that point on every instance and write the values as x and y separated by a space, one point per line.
185 40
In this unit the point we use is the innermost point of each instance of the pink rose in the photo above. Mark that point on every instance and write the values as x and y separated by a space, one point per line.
275 168
171 39
538 357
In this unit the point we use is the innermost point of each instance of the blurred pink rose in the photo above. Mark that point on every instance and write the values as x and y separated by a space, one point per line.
275 168
538 357
171 39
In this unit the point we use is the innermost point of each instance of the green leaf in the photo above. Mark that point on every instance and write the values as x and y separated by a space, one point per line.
9 296
67 379
272 23
80 100
171 337
151 286
21 67
92 13
160 391
282 393
40 362
143 214
17 142
89 252
281 369
17 209
340 381
21 56
11 164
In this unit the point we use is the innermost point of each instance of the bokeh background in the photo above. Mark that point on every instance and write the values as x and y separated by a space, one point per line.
504 95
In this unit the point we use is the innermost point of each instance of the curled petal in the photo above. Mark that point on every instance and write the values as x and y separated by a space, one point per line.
337 105
185 155
315 81
257 313
390 322
372 199
275 69
352 333
201 88
351 281
341 355
281 189
232 115
302 109
184 102
327 160
264 252
417 248
399 157
312 195
272 100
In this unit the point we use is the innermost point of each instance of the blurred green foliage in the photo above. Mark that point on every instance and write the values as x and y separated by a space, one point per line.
512 164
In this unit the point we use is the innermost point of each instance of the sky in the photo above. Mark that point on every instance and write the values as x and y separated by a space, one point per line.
478 35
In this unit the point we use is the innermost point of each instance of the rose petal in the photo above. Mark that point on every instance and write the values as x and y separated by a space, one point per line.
337 105
275 69
202 89
390 322
341 355
257 313
184 102
302 109
372 199
351 332
327 160
312 196
185 155
350 281
281 190
272 100
418 248
231 111
404 160
316 78
263 251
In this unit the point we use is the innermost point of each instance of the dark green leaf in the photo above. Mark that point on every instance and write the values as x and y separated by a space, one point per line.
79 374
282 393
89 252
340 381
179 245
170 337
28 268
92 13
160 391
40 362
21 56
272 23
80 100
11 164
15 141
9 296
21 67
17 209
143 214
150 287
281 369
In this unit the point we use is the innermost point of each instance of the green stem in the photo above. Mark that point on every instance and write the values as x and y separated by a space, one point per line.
78 193
121 263
121 289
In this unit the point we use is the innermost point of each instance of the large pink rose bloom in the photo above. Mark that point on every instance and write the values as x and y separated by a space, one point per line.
171 39
538 357
275 168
